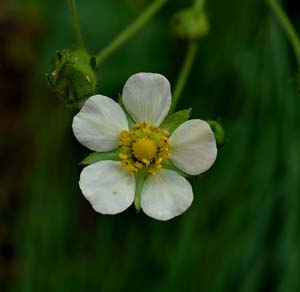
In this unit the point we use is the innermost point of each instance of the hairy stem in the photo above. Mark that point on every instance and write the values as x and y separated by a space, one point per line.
130 30
184 73
75 23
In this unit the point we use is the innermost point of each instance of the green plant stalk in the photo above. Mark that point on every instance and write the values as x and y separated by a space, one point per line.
130 30
184 73
75 23
287 26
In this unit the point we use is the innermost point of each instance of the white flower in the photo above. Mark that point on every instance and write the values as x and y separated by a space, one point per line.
102 125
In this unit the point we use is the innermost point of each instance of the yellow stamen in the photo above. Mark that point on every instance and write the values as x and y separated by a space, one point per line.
124 134
122 156
144 147
159 161
164 139
166 133
147 162
139 165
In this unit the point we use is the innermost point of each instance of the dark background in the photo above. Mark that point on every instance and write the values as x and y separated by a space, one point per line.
242 232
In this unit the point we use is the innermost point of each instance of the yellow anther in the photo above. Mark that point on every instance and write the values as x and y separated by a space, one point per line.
124 134
124 163
164 139
133 169
122 156
158 161
166 133
139 165
147 162
151 172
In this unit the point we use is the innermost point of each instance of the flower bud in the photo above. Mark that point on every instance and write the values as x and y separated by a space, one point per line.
190 24
218 132
73 76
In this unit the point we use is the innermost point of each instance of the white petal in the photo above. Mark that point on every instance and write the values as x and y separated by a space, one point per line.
147 97
166 195
99 123
107 186
194 148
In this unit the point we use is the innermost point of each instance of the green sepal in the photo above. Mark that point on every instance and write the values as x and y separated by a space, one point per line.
174 120
98 156
139 183
168 164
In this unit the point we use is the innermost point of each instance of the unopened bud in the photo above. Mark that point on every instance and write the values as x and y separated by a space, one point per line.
190 24
73 77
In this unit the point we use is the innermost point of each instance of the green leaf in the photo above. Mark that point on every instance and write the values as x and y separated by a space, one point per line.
168 164
98 156
174 120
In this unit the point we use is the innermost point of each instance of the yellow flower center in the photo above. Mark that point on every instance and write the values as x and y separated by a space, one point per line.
145 147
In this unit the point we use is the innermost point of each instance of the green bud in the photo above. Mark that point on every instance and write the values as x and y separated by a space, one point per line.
190 24
218 132
73 76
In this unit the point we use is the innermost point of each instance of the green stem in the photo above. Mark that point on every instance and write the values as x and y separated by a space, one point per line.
184 73
198 5
288 27
75 23
130 30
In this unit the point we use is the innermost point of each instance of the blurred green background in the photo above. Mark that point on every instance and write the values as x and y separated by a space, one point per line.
242 232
